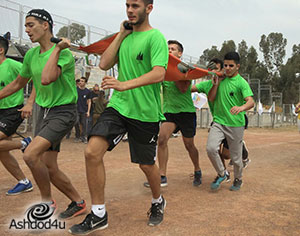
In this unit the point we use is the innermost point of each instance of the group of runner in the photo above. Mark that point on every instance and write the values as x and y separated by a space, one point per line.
141 53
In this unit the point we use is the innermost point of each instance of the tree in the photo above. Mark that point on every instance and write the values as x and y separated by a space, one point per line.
77 33
228 46
208 54
289 80
273 49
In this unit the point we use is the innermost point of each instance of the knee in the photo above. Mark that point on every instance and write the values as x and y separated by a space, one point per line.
91 156
30 159
162 140
211 149
146 168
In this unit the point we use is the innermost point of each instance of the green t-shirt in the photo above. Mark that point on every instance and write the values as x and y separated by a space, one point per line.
138 54
63 90
9 71
174 101
204 87
231 92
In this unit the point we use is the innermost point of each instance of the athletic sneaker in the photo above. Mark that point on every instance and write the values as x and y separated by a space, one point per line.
245 152
20 188
227 173
163 182
90 224
217 182
74 209
197 178
25 142
237 184
246 163
156 212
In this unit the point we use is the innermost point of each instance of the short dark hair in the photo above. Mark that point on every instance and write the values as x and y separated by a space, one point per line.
146 2
232 56
217 61
4 44
180 47
84 78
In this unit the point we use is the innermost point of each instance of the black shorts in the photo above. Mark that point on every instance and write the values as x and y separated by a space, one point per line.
142 136
10 120
54 123
185 122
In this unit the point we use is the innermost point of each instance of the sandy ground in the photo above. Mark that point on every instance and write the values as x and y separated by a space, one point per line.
267 204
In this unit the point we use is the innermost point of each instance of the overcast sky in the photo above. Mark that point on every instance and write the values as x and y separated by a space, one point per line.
198 24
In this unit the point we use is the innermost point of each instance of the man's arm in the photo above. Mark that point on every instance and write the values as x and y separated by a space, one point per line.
248 105
27 109
183 85
156 75
194 89
89 103
213 91
52 71
13 87
109 58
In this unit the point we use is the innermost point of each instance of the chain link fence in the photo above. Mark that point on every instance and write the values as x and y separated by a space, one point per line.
12 17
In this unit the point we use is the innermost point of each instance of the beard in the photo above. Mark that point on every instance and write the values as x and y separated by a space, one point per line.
141 18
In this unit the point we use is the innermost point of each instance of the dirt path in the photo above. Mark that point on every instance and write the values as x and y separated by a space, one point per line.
267 204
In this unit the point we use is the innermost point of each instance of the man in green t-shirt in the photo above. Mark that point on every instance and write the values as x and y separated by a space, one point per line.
135 107
52 70
231 97
204 87
180 114
12 113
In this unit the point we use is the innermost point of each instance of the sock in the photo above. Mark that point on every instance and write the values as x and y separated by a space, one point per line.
158 200
80 202
24 181
99 210
24 144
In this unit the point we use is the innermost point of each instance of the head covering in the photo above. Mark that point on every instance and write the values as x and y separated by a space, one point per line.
41 14
5 38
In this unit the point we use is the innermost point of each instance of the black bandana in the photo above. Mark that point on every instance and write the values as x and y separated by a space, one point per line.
41 14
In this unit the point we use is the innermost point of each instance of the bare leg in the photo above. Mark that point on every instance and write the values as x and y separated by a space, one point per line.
33 158
165 132
95 170
153 177
58 178
193 152
11 165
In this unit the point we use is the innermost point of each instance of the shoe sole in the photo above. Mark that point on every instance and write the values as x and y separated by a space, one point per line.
214 189
231 189
76 214
162 220
91 231
146 185
24 191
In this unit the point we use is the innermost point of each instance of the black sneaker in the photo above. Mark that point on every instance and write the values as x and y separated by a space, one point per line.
74 209
237 184
197 178
245 152
90 224
156 213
